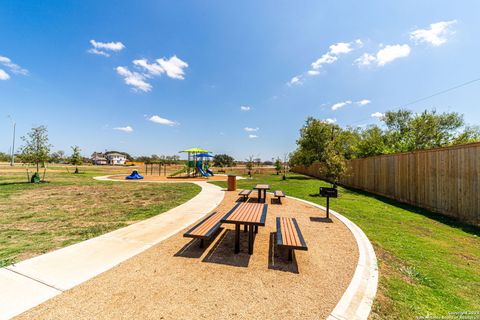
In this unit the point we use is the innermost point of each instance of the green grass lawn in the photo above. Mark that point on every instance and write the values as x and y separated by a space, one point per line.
429 264
37 218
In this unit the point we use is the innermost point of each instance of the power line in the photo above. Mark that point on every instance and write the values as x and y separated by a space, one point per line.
430 96
442 92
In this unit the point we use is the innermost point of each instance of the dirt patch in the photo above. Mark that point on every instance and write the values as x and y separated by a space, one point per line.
178 280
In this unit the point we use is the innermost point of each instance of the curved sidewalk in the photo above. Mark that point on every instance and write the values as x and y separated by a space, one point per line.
356 302
33 281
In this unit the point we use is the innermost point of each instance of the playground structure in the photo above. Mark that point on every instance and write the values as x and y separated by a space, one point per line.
197 163
134 176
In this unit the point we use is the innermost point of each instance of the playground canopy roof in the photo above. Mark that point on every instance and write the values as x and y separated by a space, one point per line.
206 155
195 150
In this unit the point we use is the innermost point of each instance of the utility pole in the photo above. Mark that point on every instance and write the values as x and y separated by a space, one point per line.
12 161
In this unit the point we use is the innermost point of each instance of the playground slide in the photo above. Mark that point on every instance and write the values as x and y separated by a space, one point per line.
202 172
210 172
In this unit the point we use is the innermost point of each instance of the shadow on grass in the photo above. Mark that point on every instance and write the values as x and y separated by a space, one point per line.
449 221
223 250
278 257
299 178
14 183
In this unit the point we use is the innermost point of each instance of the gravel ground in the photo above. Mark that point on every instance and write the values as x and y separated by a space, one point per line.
177 280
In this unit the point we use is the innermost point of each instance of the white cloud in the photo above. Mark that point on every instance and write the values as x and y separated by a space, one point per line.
297 80
377 115
327 58
134 79
342 104
365 60
313 72
4 75
341 47
391 53
251 129
332 55
153 69
252 136
245 108
126 129
98 52
364 102
330 120
173 67
102 48
436 35
159 120
12 67
385 55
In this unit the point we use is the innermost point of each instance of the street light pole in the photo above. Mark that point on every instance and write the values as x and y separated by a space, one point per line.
12 162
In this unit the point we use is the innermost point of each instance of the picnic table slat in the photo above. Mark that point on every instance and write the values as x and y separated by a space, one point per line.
251 213
204 227
289 232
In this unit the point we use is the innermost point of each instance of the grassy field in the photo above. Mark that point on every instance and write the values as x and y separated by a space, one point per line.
429 264
37 218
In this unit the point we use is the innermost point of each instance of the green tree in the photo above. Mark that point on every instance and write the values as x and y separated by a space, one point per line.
407 131
371 142
334 166
76 158
223 160
315 135
249 162
278 166
57 156
37 147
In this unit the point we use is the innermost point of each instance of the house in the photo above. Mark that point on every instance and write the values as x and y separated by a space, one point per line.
99 159
116 158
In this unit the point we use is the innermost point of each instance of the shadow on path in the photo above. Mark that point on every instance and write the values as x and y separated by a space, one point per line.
278 257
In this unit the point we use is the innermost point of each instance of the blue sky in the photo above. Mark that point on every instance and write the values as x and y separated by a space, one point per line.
192 65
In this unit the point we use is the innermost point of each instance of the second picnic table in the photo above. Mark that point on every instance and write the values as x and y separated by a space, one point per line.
251 215
260 188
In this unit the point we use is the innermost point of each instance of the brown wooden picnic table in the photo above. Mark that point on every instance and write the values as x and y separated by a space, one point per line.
260 188
249 214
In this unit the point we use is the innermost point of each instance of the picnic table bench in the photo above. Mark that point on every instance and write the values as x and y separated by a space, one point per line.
249 214
245 194
260 188
206 228
279 195
290 236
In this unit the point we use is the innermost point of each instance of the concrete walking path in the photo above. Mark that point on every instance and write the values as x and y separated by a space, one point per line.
33 281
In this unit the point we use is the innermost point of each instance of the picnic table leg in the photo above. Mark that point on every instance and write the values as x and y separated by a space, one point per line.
259 195
245 229
265 195
250 239
256 229
237 238
290 255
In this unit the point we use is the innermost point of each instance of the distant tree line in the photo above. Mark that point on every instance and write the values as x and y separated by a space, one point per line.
402 131
155 159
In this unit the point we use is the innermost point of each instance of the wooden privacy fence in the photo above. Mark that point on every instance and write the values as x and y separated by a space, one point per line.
444 180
